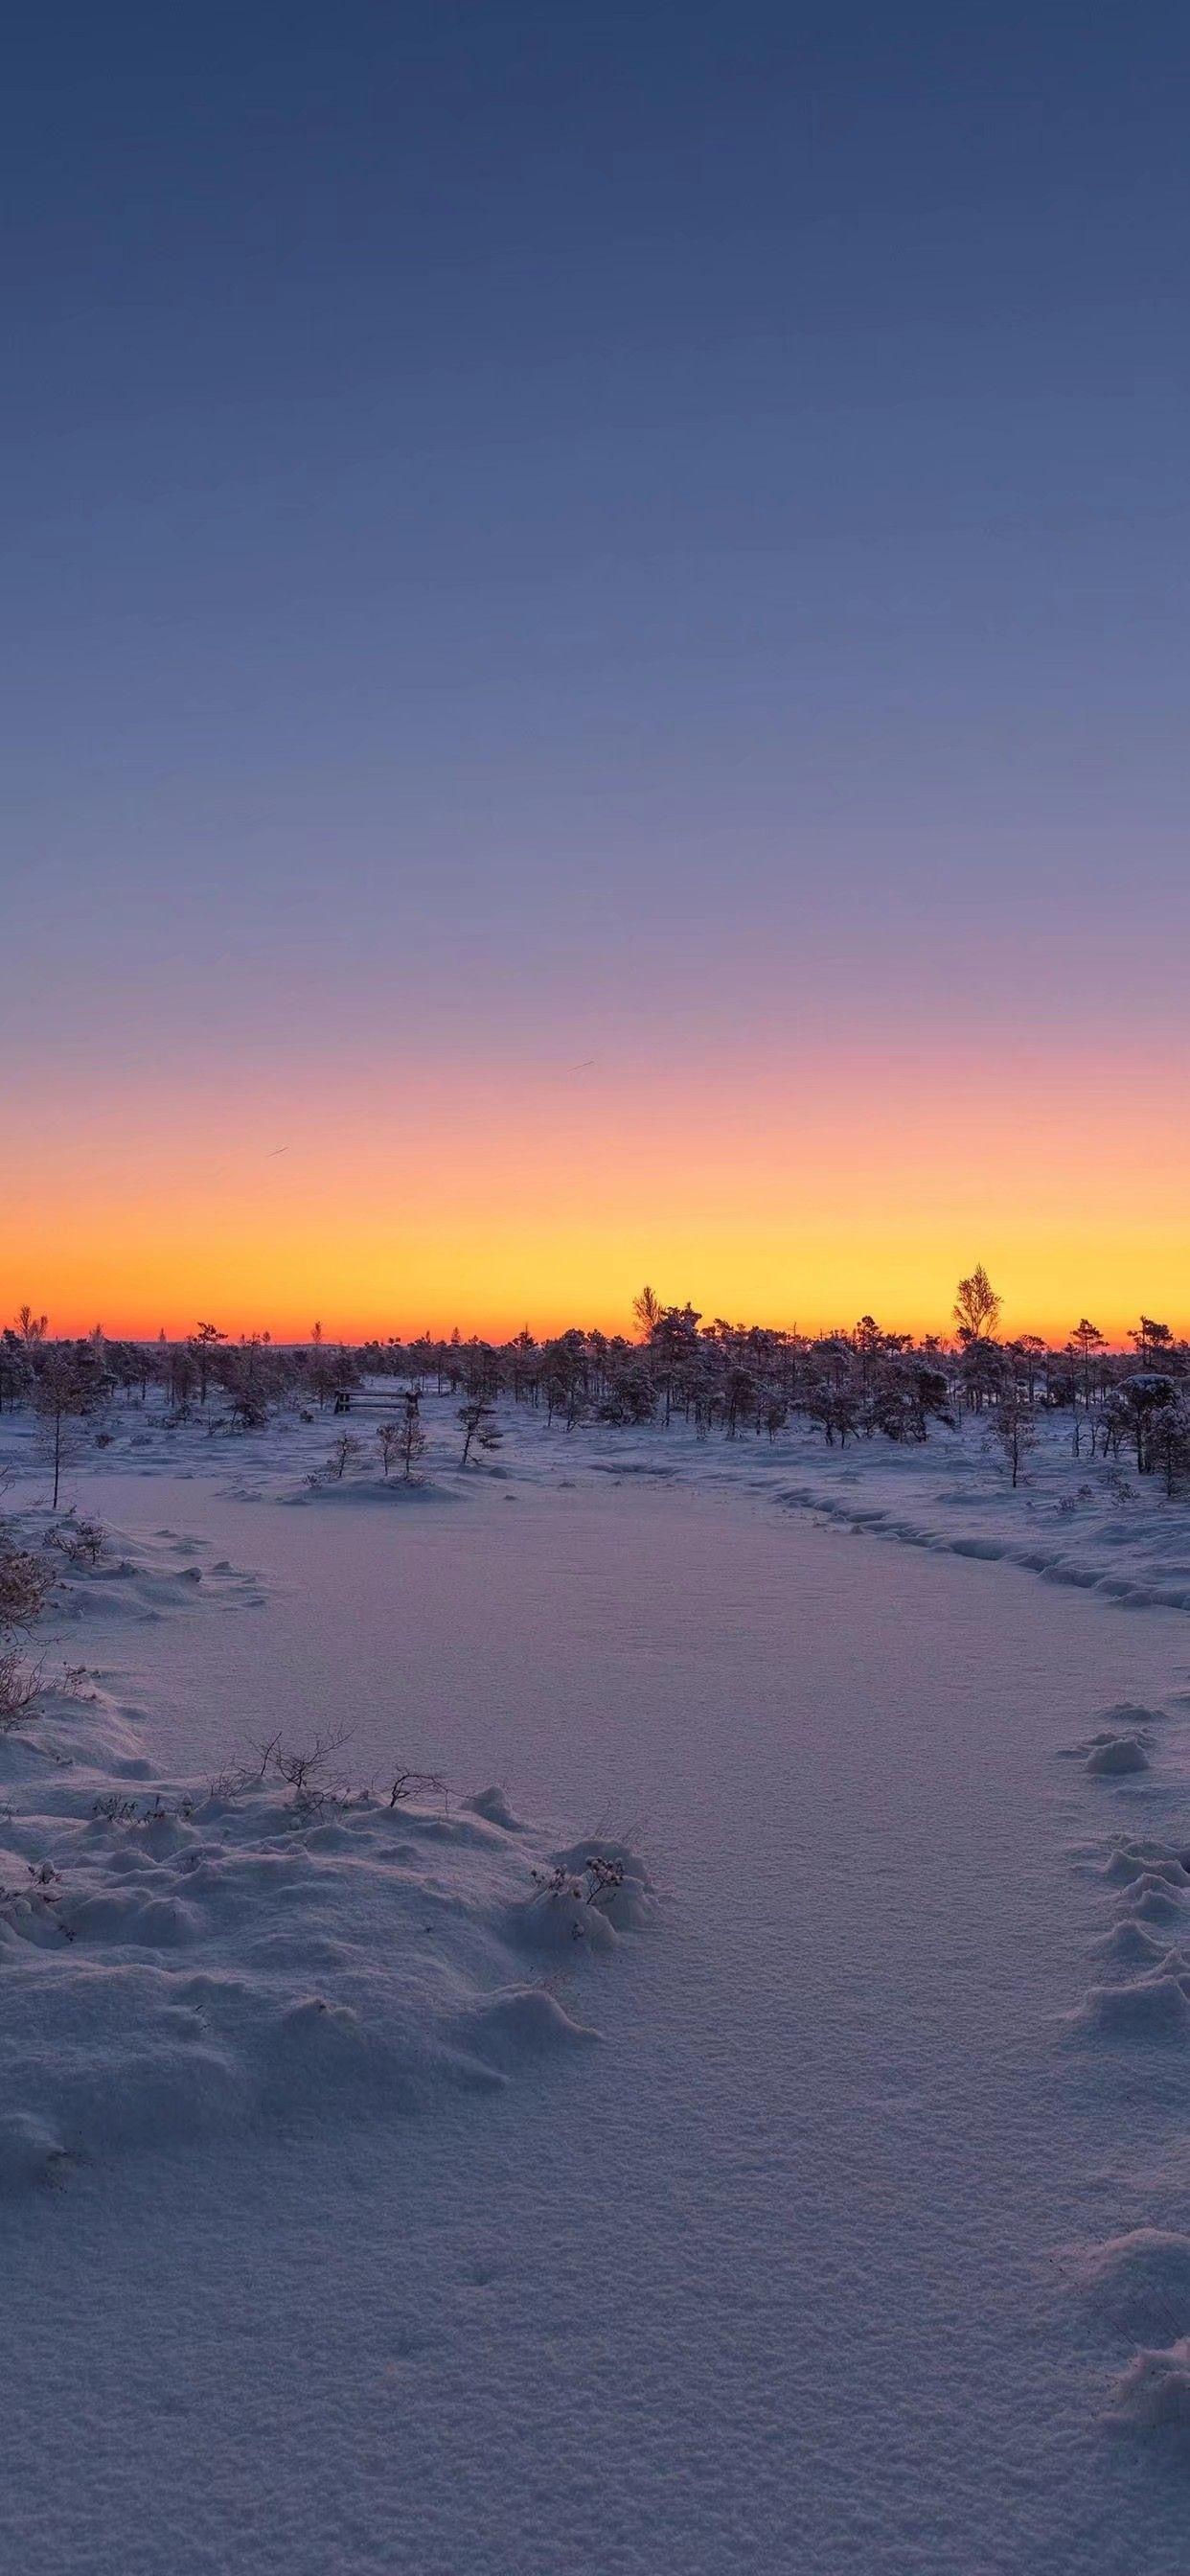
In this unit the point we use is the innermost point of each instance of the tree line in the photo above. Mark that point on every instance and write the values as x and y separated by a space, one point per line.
722 1379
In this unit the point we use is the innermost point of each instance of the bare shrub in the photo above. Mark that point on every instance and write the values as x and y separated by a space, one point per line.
43 1894
298 1769
594 1884
115 1810
417 1784
303 1770
81 1542
20 1682
605 1876
26 1582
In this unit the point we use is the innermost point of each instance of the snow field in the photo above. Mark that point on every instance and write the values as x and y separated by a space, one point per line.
804 2202
1090 1523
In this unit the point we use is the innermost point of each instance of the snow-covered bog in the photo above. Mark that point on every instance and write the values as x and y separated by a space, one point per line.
1071 1519
451 2282
143 1578
181 1959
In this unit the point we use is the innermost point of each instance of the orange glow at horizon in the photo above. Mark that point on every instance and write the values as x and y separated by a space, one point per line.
780 1191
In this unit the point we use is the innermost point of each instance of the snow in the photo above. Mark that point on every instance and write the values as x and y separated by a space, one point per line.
1092 1523
1154 2392
196 1959
859 2237
1111 1756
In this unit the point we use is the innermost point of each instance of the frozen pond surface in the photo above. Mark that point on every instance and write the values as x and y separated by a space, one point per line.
777 2276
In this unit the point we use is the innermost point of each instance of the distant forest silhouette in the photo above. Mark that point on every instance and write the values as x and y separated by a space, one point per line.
721 1379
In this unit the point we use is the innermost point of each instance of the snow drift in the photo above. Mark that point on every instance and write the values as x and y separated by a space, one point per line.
181 1959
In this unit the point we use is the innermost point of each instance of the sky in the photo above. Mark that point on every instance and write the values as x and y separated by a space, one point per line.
595 669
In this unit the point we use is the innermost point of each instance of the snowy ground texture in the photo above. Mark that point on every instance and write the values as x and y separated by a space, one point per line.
793 2171
187 1960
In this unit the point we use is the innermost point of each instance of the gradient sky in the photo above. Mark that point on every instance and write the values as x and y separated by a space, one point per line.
596 660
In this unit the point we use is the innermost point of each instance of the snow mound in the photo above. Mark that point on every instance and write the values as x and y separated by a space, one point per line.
1128 1862
1111 1757
586 1895
143 1578
1154 2008
1139 2281
1153 2393
398 1493
30 2151
521 2019
622 1888
493 1806
1128 1945
1149 1898
182 1961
